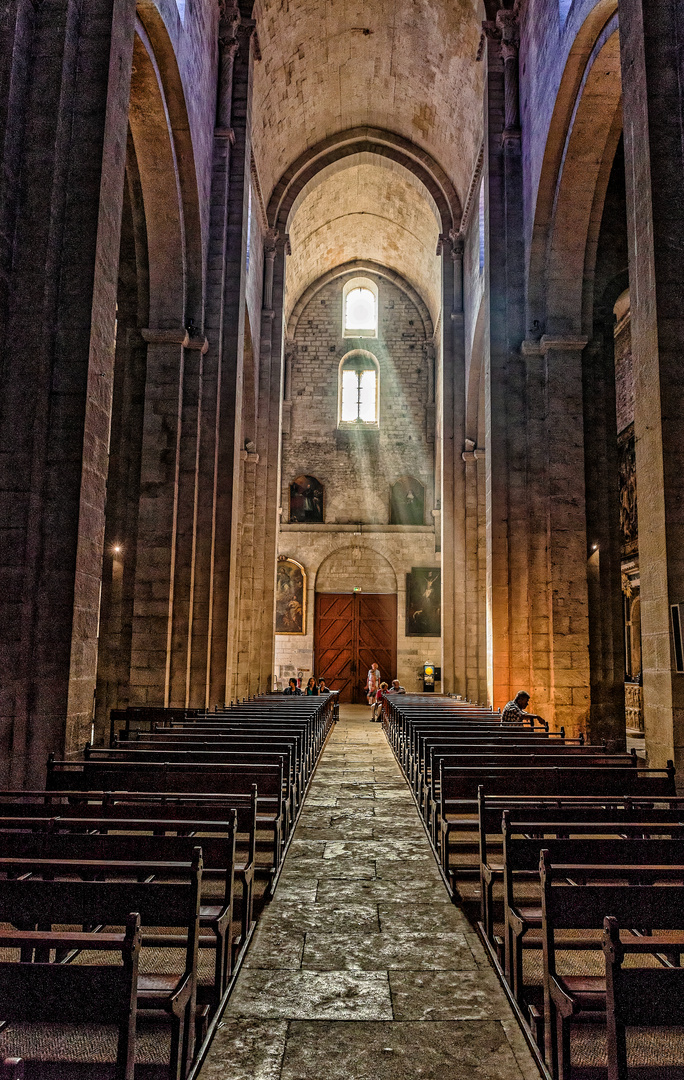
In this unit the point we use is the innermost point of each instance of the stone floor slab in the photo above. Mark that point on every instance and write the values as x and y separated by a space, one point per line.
311 995
399 1051
361 967
439 995
396 949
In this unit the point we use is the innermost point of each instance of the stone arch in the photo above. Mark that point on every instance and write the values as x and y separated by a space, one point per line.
364 140
356 567
358 266
165 164
583 137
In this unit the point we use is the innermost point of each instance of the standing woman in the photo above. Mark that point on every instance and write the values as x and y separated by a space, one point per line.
372 683
312 687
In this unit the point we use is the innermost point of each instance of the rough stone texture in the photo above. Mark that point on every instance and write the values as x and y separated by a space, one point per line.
340 985
374 556
321 73
381 213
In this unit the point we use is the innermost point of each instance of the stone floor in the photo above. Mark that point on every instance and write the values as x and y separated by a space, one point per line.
361 967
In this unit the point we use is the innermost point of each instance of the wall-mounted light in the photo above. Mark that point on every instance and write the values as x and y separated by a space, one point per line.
594 547
117 549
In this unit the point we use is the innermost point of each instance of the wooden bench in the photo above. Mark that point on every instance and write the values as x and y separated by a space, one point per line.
191 779
49 842
638 996
521 856
74 994
33 902
584 907
148 811
459 786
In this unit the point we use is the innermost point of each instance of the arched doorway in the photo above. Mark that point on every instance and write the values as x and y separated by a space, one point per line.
355 620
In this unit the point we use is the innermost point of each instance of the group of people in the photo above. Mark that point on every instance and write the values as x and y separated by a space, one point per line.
313 688
376 691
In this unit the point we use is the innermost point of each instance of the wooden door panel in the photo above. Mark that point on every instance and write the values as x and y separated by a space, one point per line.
377 635
334 642
351 631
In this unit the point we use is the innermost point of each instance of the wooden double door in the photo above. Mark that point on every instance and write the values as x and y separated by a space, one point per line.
351 631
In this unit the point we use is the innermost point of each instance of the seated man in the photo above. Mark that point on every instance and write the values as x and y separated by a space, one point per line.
292 689
514 711
396 687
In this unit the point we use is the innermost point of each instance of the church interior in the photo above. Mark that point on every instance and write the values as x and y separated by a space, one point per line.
354 336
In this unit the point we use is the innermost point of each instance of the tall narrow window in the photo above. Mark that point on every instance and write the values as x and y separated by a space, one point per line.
360 308
359 388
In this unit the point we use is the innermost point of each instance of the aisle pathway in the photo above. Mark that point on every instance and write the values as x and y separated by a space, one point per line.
361 967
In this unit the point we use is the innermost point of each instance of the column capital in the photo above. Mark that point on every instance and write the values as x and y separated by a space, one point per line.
160 336
509 27
563 342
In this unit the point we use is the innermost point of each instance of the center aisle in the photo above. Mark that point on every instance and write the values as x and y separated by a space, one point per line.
361 967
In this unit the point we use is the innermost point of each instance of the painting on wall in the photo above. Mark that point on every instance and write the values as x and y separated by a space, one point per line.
424 602
628 491
306 500
407 502
290 597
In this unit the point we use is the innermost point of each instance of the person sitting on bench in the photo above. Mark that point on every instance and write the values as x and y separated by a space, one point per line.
376 711
292 689
396 688
514 712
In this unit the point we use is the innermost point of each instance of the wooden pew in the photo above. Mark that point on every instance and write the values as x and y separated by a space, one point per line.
28 902
161 813
75 994
576 816
637 996
459 786
189 779
521 856
47 842
584 907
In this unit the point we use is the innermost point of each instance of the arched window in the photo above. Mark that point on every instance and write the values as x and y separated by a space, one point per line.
359 388
407 502
360 308
306 500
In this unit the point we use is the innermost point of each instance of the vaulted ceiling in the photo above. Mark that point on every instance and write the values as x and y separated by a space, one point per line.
370 208
406 66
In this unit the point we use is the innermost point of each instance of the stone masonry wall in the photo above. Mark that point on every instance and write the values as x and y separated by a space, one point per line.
357 482
357 474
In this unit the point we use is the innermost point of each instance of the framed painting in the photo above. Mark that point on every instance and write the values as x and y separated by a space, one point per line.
290 597
424 602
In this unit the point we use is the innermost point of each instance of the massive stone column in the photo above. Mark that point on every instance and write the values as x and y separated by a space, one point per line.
653 76
454 610
62 178
251 663
508 642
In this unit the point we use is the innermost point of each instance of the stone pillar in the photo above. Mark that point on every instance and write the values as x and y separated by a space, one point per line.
568 605
253 656
202 599
650 42
454 613
508 629
69 81
606 626
186 522
230 377
157 517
